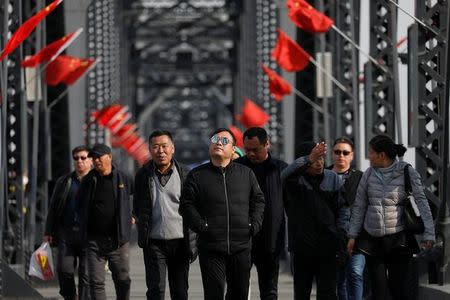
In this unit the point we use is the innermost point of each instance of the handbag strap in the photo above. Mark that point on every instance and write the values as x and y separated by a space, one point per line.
408 187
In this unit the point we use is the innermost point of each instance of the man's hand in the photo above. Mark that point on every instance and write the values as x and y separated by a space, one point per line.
350 245
426 245
48 239
318 152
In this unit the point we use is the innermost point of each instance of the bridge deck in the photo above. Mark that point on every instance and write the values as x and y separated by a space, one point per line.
138 287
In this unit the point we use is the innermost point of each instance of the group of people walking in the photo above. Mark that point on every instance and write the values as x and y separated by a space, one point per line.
230 213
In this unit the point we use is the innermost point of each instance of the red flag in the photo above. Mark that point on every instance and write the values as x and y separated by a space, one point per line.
130 141
50 51
277 85
26 28
238 135
289 55
118 121
252 115
60 68
83 68
107 113
307 17
122 134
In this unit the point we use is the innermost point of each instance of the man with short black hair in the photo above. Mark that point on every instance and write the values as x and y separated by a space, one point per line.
162 234
62 228
222 202
269 242
105 194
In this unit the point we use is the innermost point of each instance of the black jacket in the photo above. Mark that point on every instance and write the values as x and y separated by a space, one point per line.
57 204
142 208
273 228
224 205
122 192
315 210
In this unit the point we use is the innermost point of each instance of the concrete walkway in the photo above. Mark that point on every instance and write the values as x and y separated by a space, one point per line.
138 287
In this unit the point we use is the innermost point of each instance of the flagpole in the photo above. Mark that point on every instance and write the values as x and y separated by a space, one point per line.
64 47
309 101
360 49
331 77
414 18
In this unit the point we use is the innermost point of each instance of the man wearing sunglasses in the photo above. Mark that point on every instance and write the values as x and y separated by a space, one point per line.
269 242
62 228
105 200
222 202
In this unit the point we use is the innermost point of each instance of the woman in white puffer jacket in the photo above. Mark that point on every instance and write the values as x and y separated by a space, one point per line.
376 220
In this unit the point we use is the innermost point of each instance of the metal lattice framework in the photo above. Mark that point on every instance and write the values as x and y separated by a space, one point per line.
428 54
13 221
184 59
381 86
104 81
346 110
266 26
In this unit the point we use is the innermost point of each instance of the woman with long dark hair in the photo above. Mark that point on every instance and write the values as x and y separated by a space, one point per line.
377 219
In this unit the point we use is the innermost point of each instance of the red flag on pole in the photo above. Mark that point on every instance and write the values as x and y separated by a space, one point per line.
238 135
252 115
107 113
277 85
51 51
122 134
84 67
288 54
60 68
307 17
26 28
118 121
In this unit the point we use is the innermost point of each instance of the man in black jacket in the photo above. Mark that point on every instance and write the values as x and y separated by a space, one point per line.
62 227
222 201
106 223
161 231
268 243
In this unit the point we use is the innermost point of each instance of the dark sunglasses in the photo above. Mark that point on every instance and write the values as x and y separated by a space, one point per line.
215 139
343 152
76 158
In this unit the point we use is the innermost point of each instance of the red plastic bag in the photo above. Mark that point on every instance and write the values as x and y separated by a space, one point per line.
41 262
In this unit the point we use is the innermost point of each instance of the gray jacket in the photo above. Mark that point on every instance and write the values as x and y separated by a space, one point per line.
380 199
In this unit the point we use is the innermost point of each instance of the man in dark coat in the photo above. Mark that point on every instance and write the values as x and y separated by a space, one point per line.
268 243
222 201
315 210
162 233
106 223
62 228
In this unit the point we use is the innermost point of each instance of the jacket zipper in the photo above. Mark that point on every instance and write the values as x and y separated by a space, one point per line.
228 211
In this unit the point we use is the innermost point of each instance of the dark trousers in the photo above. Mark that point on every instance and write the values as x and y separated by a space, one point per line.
267 265
101 251
307 268
217 268
72 252
390 274
170 255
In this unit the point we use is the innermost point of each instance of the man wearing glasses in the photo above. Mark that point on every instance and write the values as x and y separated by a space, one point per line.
62 228
269 242
106 223
222 202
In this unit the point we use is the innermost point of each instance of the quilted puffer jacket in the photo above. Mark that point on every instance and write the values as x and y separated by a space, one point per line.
380 200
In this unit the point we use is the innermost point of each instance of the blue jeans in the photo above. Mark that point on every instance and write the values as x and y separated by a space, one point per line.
351 277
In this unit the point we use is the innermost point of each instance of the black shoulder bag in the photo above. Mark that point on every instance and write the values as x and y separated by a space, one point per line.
411 217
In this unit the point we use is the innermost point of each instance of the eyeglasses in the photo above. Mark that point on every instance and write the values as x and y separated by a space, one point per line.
76 158
215 139
343 152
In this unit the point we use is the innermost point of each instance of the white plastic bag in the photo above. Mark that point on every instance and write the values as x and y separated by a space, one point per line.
41 262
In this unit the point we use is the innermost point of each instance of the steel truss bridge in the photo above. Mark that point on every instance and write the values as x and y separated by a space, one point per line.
186 66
